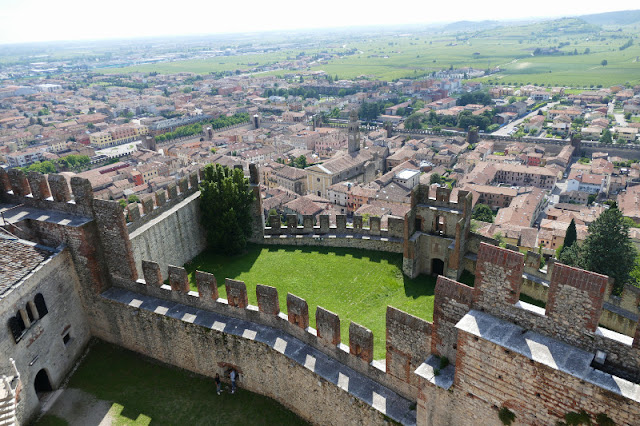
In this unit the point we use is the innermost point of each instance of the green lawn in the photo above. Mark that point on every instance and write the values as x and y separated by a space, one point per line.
145 392
356 284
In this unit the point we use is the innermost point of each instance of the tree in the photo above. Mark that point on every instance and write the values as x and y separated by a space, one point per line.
482 212
604 62
436 178
300 162
226 208
608 250
133 199
571 236
606 136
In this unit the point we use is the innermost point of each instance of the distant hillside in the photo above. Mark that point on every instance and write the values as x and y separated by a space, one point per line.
463 26
623 17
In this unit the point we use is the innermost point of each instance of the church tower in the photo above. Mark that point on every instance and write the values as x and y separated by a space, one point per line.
354 132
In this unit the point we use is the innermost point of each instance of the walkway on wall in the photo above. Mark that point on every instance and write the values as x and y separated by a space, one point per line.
379 397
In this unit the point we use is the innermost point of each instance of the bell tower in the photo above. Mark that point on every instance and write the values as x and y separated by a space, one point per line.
354 132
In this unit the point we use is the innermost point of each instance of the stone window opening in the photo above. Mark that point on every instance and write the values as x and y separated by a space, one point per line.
66 338
41 306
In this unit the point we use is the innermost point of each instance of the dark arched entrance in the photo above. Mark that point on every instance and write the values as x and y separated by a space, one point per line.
42 383
437 267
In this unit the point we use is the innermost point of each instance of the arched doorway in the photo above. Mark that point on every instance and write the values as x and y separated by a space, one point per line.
42 384
437 267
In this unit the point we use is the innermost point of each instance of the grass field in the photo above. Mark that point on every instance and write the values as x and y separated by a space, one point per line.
144 392
356 284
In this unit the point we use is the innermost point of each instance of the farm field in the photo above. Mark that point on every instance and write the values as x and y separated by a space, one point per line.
565 52
355 284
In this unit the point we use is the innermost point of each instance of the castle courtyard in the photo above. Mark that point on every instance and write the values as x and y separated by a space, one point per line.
355 284
113 386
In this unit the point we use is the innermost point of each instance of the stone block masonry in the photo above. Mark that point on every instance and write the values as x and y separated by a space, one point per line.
298 311
360 342
452 301
498 276
207 285
328 327
576 297
236 293
408 344
178 279
152 273
268 301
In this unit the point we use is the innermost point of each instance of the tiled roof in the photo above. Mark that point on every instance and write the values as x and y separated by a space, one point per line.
17 259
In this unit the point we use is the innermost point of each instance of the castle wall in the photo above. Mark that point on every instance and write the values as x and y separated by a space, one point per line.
172 238
535 392
263 369
42 345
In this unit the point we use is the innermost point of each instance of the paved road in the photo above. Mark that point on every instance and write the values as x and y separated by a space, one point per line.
620 121
504 131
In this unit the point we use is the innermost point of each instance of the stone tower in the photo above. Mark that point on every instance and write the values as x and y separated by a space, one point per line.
354 132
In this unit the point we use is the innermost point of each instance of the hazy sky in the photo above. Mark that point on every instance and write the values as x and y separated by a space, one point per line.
40 20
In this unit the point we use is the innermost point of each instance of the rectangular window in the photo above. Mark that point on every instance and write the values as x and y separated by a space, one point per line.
66 339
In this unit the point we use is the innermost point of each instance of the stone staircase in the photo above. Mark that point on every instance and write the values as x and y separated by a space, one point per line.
8 386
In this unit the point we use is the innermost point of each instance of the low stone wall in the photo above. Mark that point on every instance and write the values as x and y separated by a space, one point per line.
378 244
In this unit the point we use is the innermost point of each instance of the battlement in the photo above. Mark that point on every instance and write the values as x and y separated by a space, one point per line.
47 193
153 205
422 195
572 313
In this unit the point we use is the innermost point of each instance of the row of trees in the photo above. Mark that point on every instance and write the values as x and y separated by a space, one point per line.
464 120
68 163
196 128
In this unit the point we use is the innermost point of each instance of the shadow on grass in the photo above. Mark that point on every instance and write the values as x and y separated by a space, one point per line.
423 285
149 391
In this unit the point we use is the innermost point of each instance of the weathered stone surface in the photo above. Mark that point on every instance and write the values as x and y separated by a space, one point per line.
452 302
374 225
307 223
19 182
207 285
82 191
173 237
298 311
254 176
152 273
178 279
576 297
341 222
5 183
172 191
328 327
147 204
193 180
324 223
59 188
183 184
357 222
161 197
408 344
275 223
292 222
236 293
268 301
133 212
498 276
360 342
39 186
